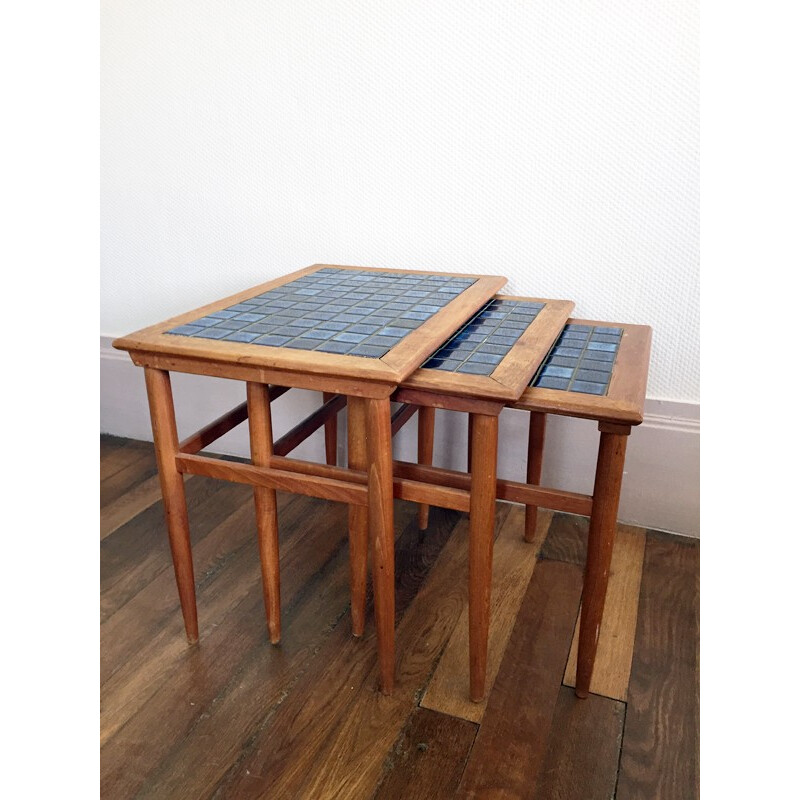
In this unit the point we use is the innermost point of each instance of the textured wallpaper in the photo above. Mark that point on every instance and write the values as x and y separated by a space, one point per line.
554 143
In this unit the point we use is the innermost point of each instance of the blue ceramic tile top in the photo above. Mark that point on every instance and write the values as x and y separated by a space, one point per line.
581 360
344 311
484 341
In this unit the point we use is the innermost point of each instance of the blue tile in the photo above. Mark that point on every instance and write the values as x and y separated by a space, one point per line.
552 383
592 375
486 358
249 317
390 330
368 350
585 387
271 340
212 333
222 314
472 368
334 347
185 330
241 336
610 348
347 336
205 322
557 372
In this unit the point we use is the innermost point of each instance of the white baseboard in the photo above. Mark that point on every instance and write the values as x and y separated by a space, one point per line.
660 490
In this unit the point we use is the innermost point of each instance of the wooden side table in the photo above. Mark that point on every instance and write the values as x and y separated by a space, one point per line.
348 331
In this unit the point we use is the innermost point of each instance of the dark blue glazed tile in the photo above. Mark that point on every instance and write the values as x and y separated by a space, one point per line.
602 355
368 350
552 383
592 375
212 333
367 330
562 361
334 347
585 387
474 368
346 336
609 348
383 341
271 340
485 358
551 371
318 333
206 322
330 325
599 366
248 317
223 314
390 330
241 336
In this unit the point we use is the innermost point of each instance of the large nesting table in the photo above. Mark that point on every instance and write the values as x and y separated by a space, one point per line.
347 331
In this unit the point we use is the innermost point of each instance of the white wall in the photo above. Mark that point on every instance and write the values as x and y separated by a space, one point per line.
554 143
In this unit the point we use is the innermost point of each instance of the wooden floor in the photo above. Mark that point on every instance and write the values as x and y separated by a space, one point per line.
236 717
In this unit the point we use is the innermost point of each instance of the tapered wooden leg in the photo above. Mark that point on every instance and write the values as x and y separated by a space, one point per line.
536 429
165 439
381 532
481 543
425 423
330 433
470 424
266 506
602 529
359 539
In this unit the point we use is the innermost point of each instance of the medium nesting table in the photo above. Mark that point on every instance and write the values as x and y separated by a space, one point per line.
349 331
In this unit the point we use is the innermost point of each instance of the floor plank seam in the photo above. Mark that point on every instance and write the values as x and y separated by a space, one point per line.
621 747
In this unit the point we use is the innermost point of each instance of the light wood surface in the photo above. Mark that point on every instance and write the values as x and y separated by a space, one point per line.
481 542
425 431
273 478
536 433
513 564
624 402
600 545
165 441
612 665
331 432
258 406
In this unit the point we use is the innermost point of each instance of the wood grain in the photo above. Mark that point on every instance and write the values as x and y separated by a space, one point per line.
585 738
512 742
566 539
335 728
660 750
192 698
128 505
131 469
514 562
428 758
612 665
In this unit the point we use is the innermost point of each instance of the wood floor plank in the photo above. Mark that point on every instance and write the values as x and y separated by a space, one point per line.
133 502
330 738
583 752
512 741
228 733
117 453
315 594
136 553
427 760
512 567
612 667
566 539
660 758
151 663
140 468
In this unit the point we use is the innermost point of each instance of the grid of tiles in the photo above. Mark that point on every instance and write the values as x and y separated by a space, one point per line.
344 311
581 360
486 339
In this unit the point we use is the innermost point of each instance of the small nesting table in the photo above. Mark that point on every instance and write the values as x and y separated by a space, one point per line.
588 369
348 331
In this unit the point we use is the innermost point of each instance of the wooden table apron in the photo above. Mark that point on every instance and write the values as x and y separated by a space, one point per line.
367 485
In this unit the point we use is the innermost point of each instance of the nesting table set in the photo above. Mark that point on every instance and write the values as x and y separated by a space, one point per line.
427 340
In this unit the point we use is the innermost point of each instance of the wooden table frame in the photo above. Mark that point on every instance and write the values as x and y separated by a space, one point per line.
616 413
366 382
